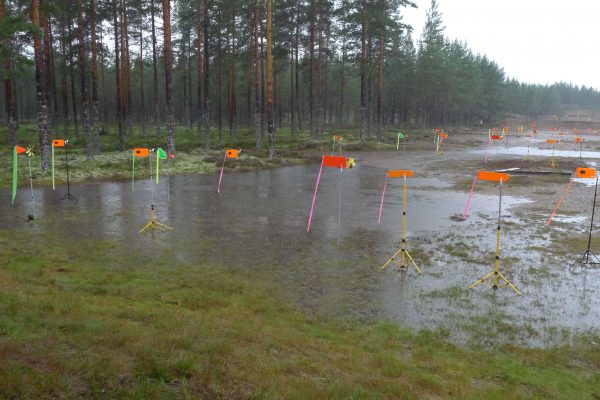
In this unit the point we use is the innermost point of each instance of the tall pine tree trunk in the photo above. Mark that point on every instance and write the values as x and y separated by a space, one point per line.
74 113
95 135
219 79
270 127
363 77
63 78
257 129
311 83
292 106
168 76
206 87
9 105
200 65
119 89
155 70
83 82
49 73
40 87
127 71
142 105
380 89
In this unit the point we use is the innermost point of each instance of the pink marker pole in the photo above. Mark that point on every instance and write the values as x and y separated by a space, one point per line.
382 197
312 206
221 175
469 199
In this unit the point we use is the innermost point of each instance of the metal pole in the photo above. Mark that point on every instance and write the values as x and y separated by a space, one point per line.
339 206
31 187
593 210
67 163
404 225
497 263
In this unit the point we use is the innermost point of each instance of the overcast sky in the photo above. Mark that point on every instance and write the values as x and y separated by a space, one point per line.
537 41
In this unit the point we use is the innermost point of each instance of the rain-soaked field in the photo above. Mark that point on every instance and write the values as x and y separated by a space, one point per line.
257 228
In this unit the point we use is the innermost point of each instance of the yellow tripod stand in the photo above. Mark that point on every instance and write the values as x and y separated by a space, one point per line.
405 259
153 224
497 279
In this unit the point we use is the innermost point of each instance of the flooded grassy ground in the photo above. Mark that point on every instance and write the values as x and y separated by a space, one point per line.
240 302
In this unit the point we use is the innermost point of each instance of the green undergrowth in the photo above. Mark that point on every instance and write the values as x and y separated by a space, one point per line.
292 149
96 320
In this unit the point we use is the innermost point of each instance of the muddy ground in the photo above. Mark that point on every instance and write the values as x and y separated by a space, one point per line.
257 228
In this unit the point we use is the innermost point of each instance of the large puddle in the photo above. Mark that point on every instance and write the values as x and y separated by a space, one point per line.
257 226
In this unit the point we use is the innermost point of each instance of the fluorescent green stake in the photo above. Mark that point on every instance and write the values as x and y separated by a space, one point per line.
160 154
15 175
53 187
133 172
400 136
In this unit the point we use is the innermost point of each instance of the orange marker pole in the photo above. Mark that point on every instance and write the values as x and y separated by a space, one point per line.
560 201
312 206
469 199
221 174
382 197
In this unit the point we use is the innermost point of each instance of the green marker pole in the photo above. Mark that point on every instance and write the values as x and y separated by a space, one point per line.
133 172
157 166
53 186
398 143
15 175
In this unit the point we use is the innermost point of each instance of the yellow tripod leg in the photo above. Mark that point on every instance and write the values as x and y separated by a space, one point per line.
513 287
412 261
392 258
482 280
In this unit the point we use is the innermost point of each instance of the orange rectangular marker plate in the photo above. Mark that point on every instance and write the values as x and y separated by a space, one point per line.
578 140
551 141
444 135
492 176
141 152
586 172
334 161
399 173
496 137
232 153
58 143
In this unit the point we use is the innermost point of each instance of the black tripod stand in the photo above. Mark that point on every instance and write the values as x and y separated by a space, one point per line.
588 257
68 196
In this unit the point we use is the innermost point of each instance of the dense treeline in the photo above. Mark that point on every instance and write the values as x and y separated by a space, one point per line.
88 67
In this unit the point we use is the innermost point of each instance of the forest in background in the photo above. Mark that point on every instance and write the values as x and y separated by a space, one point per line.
89 67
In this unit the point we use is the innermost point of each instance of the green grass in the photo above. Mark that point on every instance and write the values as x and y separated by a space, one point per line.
96 320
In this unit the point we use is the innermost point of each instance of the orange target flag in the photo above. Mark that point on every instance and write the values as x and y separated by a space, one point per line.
496 137
232 153
578 140
551 141
335 161
20 150
492 176
585 172
58 143
400 173
141 152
